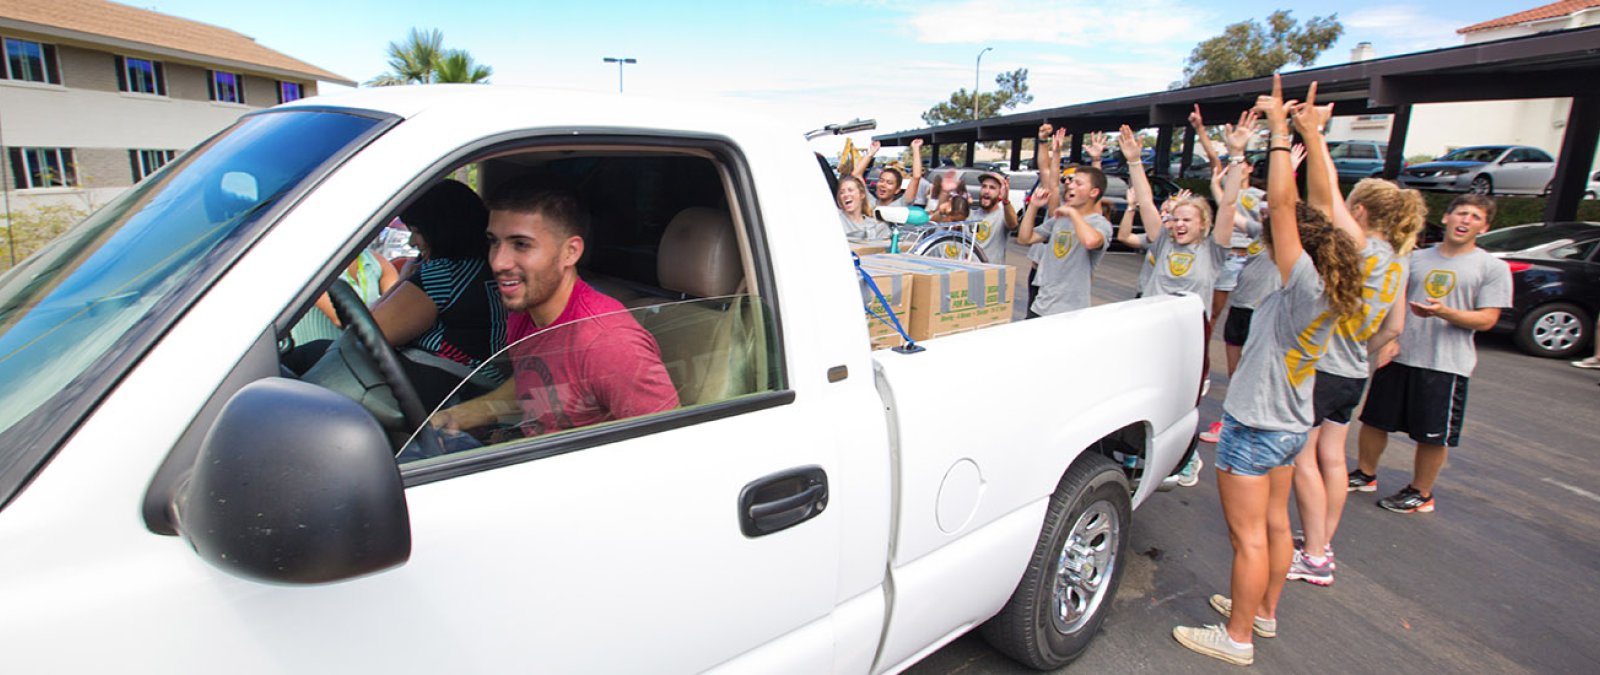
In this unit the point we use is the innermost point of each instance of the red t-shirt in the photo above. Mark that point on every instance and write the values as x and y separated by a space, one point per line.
594 364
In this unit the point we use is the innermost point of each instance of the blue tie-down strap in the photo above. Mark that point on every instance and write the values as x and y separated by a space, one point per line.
909 346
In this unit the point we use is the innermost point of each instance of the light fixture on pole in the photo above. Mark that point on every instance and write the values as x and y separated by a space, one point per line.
975 80
620 63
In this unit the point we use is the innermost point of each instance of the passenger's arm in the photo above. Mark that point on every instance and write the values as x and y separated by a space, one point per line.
1138 184
387 275
1281 193
405 314
481 411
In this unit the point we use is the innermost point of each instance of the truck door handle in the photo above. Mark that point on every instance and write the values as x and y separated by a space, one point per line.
782 500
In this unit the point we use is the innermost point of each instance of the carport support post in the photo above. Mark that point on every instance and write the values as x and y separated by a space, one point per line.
1164 150
1396 154
1577 155
1076 150
1016 154
932 156
972 152
1188 151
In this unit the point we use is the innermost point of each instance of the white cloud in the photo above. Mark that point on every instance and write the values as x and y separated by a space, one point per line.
1400 29
1073 23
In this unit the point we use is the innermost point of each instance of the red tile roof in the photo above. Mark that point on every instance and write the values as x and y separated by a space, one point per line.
1551 11
141 26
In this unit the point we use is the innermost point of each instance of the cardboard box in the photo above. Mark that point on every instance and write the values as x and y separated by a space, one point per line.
869 246
896 288
950 296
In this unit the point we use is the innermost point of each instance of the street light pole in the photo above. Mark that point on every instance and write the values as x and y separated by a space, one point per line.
620 63
975 80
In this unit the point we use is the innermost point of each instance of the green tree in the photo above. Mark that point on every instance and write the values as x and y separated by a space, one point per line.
421 58
1249 49
1011 90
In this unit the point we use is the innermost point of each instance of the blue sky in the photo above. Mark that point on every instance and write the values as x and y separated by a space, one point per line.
819 61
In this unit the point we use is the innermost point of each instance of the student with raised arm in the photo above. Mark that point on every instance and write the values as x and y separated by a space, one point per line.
1045 162
1267 411
887 192
1382 221
1077 235
854 214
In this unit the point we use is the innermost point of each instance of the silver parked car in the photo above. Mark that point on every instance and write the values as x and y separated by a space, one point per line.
1485 170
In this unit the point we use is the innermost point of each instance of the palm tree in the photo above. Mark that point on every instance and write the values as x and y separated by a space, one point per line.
414 61
456 66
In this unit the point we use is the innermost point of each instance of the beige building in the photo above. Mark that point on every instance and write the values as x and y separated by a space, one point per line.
96 95
1437 128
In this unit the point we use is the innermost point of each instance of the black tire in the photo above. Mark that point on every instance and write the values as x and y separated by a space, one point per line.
1092 498
1556 330
1482 185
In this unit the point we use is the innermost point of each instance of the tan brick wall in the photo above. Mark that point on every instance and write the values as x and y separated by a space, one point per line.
186 82
87 69
260 92
103 167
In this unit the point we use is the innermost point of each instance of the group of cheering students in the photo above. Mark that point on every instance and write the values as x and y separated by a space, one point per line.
1311 287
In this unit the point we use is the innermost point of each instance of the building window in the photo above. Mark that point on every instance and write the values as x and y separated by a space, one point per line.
225 87
289 91
141 76
145 162
43 168
31 62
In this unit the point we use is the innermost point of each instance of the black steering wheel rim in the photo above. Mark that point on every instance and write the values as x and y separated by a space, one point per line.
357 320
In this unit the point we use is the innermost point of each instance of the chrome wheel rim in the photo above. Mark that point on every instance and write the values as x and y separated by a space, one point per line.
1084 567
1480 186
1557 331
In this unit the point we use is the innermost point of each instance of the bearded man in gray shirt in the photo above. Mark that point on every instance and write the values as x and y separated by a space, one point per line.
1453 290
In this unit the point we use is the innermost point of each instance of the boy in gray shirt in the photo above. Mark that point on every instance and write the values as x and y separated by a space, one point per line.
1078 235
1453 290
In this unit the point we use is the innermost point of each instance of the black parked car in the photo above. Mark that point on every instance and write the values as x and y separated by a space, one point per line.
1555 272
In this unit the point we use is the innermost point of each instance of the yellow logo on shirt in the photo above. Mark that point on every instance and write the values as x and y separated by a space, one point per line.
1255 247
952 251
1439 283
1248 202
982 231
1063 244
1180 263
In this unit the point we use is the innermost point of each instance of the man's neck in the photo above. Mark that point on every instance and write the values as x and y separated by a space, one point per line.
551 309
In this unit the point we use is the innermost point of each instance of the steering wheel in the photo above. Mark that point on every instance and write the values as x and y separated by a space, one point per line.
357 319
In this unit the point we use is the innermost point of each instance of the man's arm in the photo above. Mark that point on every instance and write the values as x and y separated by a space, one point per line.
1056 141
1470 319
1139 185
1005 203
1090 237
1026 235
481 411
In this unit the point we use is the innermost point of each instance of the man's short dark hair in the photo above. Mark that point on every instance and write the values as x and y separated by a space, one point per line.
1097 179
560 207
1469 199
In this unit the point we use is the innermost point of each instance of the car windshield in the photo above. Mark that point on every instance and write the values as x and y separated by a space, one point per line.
71 310
1472 155
1524 237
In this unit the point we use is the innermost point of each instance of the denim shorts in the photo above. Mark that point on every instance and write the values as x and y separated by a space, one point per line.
1253 452
1228 278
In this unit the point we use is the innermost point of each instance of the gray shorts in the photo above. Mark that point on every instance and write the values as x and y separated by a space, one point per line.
1228 278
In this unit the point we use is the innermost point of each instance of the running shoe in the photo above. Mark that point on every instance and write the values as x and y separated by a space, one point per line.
1213 641
1327 550
1190 475
1302 569
1590 362
1408 500
1267 628
1361 482
1211 435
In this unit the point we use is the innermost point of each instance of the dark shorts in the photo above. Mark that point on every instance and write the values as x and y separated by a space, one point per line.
1334 398
1427 405
1237 327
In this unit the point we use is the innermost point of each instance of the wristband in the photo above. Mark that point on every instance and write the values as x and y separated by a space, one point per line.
1277 148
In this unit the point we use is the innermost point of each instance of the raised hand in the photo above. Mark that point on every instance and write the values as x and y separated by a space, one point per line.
1045 130
1058 140
1196 121
916 144
1096 145
1238 137
1297 155
1273 106
1131 146
872 150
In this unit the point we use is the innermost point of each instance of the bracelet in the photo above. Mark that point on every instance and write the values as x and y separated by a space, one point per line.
1236 159
1277 148
1283 137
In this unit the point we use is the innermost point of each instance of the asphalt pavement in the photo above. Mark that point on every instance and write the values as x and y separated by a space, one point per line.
1504 577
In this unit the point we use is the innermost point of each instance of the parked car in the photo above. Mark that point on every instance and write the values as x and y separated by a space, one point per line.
1485 170
1199 166
173 498
1555 272
1355 160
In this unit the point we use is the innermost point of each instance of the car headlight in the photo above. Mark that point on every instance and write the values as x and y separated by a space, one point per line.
1456 171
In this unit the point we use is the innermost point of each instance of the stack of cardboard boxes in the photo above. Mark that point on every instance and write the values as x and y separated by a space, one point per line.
945 296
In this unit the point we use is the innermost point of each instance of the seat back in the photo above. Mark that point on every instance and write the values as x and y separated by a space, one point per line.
712 343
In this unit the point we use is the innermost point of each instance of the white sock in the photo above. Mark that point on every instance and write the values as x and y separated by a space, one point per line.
1318 560
1237 645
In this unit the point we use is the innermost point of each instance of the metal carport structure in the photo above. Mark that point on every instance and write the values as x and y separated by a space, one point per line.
1558 64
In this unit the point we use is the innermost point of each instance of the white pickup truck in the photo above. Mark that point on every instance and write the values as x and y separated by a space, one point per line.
173 502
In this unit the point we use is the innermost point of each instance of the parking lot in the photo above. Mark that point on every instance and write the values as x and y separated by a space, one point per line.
1504 577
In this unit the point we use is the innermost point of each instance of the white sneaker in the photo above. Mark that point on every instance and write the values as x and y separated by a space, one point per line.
1190 475
1213 641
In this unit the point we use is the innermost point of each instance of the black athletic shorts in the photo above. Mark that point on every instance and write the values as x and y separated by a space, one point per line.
1237 328
1427 405
1334 398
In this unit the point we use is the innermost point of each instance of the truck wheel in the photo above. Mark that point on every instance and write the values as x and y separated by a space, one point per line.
1073 574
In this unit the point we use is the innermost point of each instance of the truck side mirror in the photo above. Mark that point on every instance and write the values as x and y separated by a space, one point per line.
295 484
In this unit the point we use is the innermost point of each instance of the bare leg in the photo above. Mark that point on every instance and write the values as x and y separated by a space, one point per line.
1331 457
1280 542
1430 460
1310 496
1219 304
1235 352
1371 442
1244 506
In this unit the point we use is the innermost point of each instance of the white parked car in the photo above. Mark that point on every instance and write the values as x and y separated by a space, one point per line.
175 499
1485 170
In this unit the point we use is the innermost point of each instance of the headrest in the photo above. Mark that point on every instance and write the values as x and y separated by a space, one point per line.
699 254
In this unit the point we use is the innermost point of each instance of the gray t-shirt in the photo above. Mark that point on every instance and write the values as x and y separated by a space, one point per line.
989 229
1183 268
1259 277
1272 388
1067 268
1251 205
1347 351
868 228
1470 281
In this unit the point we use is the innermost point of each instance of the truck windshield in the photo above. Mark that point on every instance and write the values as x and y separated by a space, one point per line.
74 314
